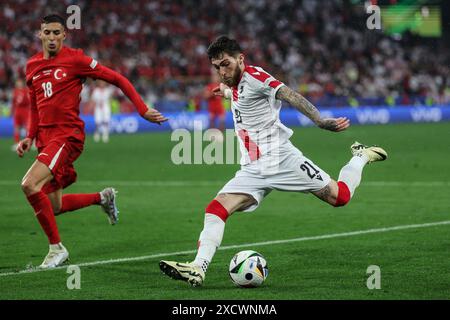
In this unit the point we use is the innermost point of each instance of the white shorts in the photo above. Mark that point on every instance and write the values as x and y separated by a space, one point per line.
290 171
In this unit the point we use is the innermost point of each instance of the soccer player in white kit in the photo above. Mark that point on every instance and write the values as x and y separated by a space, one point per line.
269 160
101 96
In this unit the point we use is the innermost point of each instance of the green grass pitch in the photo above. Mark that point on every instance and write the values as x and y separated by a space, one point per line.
162 209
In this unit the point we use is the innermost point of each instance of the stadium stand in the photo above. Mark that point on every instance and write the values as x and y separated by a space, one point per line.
321 48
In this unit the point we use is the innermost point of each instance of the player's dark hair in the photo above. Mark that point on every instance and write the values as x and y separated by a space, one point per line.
222 45
53 18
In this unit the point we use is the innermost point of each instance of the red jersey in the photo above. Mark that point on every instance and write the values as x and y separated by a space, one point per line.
214 102
55 85
20 101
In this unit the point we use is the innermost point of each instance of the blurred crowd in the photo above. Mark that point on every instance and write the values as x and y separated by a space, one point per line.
321 48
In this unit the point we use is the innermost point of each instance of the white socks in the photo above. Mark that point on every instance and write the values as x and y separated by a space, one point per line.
210 239
351 173
57 247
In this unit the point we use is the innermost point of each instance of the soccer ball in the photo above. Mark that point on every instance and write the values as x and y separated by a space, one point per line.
248 269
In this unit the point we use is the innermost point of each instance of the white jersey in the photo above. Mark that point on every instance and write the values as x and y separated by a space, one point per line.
257 115
269 160
101 98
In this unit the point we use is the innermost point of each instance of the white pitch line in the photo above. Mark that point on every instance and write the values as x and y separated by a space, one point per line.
206 183
238 246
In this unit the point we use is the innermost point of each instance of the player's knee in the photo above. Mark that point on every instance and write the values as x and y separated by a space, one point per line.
29 187
343 195
216 208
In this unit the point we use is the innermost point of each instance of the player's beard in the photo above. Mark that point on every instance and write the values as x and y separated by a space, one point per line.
235 77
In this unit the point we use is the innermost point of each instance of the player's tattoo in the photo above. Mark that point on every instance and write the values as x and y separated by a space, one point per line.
328 124
296 100
324 193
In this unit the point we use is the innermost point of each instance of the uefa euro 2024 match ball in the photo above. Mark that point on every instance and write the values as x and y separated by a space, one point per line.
248 269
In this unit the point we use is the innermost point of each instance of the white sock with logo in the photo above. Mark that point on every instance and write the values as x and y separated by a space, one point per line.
351 173
210 239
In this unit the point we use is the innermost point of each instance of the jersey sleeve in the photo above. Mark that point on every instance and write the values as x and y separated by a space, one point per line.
33 118
88 67
263 82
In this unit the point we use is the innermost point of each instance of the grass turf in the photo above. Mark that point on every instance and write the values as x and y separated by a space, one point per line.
162 208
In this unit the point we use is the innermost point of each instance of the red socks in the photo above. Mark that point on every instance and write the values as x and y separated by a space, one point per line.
44 213
215 207
46 217
71 202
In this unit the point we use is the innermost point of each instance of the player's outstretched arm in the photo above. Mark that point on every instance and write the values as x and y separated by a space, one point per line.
128 89
88 67
154 116
300 103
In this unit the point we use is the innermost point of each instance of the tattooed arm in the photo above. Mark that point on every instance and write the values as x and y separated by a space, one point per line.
299 102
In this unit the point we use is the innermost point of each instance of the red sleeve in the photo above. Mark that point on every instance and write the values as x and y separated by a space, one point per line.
33 119
89 67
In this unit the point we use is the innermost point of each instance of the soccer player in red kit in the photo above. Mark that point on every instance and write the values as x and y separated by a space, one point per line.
54 78
216 108
19 110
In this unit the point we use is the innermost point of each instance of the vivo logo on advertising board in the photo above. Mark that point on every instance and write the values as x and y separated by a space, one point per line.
125 125
373 116
426 114
190 122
